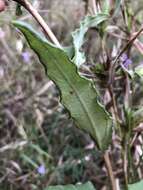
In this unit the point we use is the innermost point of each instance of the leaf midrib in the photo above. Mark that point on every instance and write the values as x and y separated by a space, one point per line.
75 90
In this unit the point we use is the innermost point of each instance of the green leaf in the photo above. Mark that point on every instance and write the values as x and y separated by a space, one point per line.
117 6
79 34
136 186
139 70
39 150
69 51
86 186
106 6
138 117
77 93
27 159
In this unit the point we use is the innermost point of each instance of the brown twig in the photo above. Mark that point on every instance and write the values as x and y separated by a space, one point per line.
113 66
110 171
40 20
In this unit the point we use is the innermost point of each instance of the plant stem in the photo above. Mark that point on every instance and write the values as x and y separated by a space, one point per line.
118 121
124 155
40 20
110 170
94 7
130 42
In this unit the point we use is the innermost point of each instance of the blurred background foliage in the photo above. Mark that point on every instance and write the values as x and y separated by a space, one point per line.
39 144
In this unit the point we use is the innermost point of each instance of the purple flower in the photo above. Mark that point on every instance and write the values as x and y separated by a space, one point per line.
125 60
41 169
124 57
26 56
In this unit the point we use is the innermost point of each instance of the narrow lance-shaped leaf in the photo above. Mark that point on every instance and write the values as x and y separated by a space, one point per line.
79 34
86 186
77 93
108 5
117 5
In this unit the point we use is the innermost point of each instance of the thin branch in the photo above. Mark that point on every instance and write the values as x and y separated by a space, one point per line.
40 20
115 108
94 7
110 170
112 70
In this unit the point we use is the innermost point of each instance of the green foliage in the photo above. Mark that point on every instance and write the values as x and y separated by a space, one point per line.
138 117
117 6
106 6
29 160
139 70
79 34
77 93
136 186
87 186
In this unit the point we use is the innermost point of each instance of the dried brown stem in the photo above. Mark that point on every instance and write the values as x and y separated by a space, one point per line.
40 20
110 171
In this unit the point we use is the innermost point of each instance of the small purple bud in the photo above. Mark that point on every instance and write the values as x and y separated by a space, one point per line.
41 169
124 57
26 56
125 60
127 63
